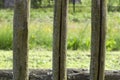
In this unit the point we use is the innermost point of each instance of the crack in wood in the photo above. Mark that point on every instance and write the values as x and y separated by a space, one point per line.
101 43
60 41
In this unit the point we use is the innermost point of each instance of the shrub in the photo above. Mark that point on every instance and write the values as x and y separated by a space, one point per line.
6 37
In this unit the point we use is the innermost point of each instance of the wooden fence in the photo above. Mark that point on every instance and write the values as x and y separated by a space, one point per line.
20 40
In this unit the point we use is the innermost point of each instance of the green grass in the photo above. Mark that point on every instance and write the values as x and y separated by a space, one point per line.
42 59
79 29
5 36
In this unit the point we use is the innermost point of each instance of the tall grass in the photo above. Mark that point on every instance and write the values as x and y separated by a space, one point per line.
5 35
113 30
40 35
79 36
41 29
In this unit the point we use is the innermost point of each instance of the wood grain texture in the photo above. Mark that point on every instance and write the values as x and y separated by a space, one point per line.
59 40
98 38
20 40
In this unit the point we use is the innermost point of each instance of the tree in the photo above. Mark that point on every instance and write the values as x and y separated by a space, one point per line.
20 40
98 40
73 5
36 3
59 40
74 2
1 3
50 2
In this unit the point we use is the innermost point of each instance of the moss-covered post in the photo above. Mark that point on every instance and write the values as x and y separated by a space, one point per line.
59 40
20 40
98 40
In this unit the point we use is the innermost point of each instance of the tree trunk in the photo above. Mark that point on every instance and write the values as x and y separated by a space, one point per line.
20 40
1 3
59 40
98 39
74 6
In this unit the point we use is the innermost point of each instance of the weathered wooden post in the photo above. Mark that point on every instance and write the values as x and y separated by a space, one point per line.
59 40
98 40
20 40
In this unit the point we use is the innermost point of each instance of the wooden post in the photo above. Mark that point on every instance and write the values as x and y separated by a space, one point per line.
98 40
20 40
59 40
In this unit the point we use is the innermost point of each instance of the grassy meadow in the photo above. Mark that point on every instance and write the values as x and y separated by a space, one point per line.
41 28
78 42
42 59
